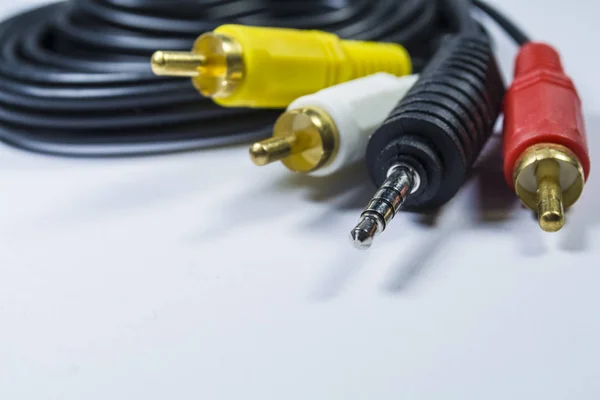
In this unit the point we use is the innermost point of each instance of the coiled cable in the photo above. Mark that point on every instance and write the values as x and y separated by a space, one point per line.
75 77
514 31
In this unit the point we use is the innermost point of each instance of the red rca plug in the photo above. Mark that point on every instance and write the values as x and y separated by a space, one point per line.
546 158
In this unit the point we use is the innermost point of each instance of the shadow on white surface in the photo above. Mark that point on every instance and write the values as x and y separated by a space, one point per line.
584 216
335 279
413 262
496 205
349 189
139 187
485 202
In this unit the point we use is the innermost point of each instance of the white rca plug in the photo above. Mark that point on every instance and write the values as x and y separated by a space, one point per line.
325 131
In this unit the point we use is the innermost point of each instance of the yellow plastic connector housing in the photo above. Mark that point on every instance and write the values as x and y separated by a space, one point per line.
242 66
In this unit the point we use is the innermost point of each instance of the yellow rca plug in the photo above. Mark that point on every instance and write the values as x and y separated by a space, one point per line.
242 66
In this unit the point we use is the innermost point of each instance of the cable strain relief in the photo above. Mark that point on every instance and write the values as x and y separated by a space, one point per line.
534 57
366 58
452 108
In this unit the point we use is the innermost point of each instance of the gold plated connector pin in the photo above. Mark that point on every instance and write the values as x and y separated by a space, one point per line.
303 140
177 63
550 207
215 64
274 149
266 67
549 179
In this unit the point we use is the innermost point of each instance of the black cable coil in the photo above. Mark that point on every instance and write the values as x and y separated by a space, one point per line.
75 76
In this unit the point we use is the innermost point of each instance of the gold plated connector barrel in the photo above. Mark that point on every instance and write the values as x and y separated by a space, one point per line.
241 66
215 64
303 140
548 179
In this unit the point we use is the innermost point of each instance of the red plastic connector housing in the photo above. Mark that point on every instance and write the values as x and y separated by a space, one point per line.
542 106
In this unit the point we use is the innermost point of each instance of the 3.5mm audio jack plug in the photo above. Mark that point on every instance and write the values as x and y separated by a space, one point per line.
402 181
420 156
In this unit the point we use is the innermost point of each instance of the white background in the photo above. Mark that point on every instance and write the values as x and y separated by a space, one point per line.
199 276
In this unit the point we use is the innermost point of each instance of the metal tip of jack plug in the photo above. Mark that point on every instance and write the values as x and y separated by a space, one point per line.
402 180
363 235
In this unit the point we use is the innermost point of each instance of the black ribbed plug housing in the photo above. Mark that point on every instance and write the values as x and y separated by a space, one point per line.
442 124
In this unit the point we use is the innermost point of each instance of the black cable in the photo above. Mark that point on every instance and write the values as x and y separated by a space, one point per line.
75 76
458 15
516 33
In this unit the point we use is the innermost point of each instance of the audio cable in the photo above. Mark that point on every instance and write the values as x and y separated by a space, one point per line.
75 78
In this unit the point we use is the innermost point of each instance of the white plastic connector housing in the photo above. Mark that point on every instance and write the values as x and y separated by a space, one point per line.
357 108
